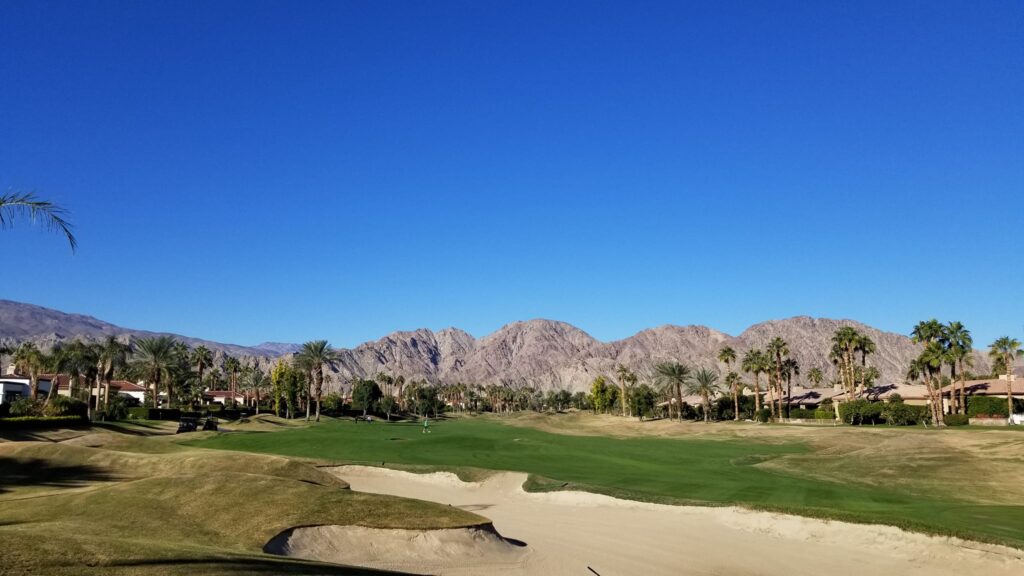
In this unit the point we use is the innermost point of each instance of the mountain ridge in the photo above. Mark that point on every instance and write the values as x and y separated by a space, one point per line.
538 352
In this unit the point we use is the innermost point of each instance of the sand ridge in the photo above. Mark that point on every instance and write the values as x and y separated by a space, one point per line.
568 532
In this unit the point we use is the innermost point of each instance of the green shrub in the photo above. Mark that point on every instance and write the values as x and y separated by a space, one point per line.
763 415
117 408
65 406
804 413
142 413
984 406
825 412
35 422
861 411
26 407
332 403
956 419
871 413
899 414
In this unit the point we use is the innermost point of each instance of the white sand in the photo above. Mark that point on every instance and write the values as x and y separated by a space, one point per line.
567 532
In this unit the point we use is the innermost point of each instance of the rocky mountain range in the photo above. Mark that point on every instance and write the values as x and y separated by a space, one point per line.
539 353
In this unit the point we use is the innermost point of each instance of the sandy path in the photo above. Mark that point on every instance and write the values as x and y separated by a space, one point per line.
567 532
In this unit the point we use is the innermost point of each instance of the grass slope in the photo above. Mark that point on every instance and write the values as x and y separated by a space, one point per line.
697 470
69 508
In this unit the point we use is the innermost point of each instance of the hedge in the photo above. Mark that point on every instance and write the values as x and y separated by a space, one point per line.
986 406
35 422
956 419
141 413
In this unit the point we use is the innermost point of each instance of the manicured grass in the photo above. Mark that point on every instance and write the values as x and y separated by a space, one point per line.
676 470
86 509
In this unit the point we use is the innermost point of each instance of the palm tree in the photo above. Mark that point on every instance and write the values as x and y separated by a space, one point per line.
52 215
201 357
864 345
778 348
790 368
110 354
704 383
960 353
675 376
931 360
754 363
626 378
1007 349
255 381
29 359
315 354
232 367
735 384
155 358
78 360
815 376
844 346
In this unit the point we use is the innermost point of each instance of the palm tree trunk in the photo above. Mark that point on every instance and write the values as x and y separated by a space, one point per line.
1009 384
757 393
736 403
622 393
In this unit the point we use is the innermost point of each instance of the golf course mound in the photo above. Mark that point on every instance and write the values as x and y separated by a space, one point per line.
412 551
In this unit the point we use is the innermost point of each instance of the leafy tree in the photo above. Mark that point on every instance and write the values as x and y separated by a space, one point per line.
642 400
365 394
1008 349
278 375
387 405
599 394
23 205
315 354
674 376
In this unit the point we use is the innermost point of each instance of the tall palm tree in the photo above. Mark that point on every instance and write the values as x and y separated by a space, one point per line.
815 376
110 355
704 383
232 366
155 358
754 363
51 215
316 353
29 359
778 348
626 378
255 381
844 346
675 376
932 359
960 346
735 384
864 346
790 368
201 357
1008 349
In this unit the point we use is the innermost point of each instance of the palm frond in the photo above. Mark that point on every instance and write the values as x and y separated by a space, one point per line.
27 205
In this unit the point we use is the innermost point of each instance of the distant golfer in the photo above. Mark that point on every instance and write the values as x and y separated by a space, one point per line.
426 425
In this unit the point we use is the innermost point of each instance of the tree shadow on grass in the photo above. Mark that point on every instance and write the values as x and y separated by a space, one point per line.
251 565
21 472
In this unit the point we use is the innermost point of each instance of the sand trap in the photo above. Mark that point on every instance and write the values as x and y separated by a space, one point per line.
567 532
418 551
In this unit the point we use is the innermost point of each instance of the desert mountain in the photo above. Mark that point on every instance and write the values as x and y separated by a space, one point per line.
540 353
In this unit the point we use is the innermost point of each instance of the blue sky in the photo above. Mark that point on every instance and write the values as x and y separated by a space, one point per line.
250 171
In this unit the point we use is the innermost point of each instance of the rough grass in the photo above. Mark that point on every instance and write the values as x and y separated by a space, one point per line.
918 479
69 508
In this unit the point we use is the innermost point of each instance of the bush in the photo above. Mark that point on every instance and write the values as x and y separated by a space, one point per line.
956 419
117 408
861 411
984 406
763 415
825 412
26 407
36 422
899 414
142 413
803 413
332 403
64 406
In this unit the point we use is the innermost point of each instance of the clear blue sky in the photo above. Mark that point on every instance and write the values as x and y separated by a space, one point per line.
249 171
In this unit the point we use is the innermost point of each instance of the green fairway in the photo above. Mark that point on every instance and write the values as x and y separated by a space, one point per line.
673 470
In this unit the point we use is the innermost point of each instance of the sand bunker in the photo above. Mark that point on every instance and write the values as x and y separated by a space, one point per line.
569 532
417 551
